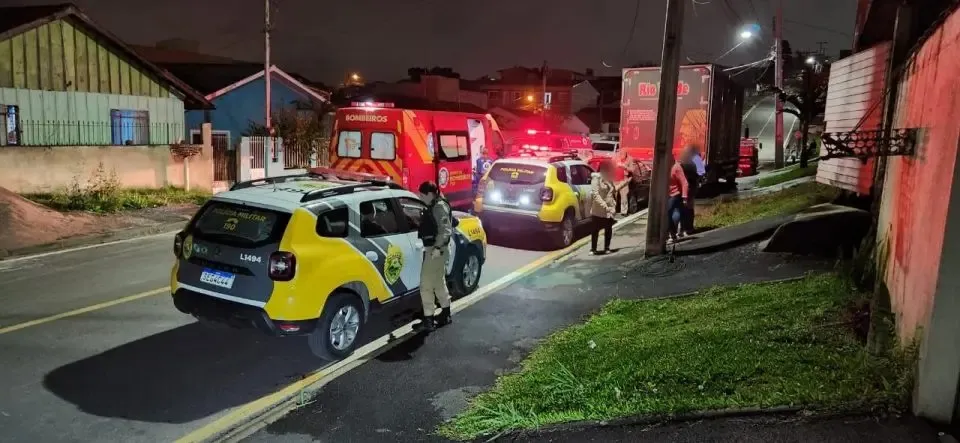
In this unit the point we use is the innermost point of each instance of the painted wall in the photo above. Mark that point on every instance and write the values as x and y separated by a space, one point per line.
31 169
59 56
854 95
917 190
56 118
235 109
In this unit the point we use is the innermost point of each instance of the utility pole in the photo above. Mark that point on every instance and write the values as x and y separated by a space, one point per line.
266 78
666 121
543 95
778 84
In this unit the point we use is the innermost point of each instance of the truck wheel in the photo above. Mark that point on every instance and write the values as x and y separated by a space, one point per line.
565 235
466 274
338 328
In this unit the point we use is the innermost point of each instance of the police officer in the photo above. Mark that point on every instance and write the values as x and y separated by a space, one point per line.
480 168
436 228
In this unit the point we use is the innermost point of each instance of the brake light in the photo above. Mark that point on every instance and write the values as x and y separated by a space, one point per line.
178 244
282 266
546 194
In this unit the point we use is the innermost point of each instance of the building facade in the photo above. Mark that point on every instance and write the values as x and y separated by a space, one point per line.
66 82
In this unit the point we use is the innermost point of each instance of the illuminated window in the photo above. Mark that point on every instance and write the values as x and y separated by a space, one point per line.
383 146
348 144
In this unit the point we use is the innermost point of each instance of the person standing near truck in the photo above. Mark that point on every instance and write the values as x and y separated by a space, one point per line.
436 228
693 170
679 196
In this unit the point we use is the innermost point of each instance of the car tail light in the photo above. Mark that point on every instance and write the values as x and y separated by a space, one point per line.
546 194
178 244
282 266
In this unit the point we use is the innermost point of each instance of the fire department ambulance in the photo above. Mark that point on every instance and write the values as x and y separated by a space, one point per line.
413 146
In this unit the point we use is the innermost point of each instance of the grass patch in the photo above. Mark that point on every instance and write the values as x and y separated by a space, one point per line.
792 173
117 200
783 202
745 346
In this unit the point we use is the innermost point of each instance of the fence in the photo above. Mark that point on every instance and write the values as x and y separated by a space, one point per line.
131 132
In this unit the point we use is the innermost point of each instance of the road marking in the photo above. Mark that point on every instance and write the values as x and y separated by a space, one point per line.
83 248
85 310
767 123
247 419
750 111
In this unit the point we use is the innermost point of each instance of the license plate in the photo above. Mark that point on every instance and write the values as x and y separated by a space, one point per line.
217 278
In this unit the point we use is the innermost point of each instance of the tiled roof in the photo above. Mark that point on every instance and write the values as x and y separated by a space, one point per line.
166 55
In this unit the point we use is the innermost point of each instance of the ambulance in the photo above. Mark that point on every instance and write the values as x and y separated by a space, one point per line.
537 141
411 146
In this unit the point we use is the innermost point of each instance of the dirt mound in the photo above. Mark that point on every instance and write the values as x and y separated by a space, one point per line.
24 223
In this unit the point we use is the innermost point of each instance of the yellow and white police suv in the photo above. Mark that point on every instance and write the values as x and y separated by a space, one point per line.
316 255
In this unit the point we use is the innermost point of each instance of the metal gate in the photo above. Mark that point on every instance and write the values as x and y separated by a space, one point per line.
224 158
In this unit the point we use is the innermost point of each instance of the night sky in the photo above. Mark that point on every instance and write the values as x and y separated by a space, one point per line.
382 38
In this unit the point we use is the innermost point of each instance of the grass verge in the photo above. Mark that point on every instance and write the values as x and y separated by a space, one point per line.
116 200
759 345
787 201
792 173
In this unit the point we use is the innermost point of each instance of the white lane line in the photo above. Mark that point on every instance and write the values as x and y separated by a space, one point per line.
83 248
769 118
750 111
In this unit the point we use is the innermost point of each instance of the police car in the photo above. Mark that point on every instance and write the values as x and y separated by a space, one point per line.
535 194
317 254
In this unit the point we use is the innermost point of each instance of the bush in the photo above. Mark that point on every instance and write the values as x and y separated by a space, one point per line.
103 194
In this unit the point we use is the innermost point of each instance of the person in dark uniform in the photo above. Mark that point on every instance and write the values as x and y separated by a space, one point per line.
436 229
689 162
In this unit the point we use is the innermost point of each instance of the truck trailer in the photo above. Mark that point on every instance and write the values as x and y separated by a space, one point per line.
709 109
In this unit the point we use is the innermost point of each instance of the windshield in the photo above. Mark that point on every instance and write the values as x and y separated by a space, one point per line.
607 147
515 173
234 224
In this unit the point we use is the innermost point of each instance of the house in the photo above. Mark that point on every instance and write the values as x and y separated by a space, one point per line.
432 88
236 88
902 78
65 81
522 87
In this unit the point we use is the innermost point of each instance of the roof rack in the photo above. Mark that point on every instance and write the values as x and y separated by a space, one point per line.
275 180
363 180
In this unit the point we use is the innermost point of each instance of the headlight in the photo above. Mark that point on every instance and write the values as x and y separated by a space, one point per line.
524 200
496 197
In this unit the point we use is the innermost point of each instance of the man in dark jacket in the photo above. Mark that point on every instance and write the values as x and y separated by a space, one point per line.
691 164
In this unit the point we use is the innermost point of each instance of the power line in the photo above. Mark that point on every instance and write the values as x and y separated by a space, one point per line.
633 30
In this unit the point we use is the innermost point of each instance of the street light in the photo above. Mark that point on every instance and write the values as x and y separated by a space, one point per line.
746 34
811 60
530 98
355 77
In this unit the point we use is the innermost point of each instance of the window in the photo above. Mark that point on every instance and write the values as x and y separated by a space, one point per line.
495 97
239 225
129 127
377 218
412 211
348 144
561 173
547 99
580 175
10 122
383 146
604 147
517 95
333 223
454 146
517 173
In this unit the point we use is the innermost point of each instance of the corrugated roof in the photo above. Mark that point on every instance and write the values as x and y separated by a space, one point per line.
211 77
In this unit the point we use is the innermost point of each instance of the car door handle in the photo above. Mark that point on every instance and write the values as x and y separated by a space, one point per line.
372 256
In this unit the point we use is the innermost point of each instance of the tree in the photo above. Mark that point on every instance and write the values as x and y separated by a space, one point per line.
304 126
807 93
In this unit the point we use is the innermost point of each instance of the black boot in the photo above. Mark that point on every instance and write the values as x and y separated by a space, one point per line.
427 324
444 318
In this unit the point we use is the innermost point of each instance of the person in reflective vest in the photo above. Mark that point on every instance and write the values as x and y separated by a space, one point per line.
436 229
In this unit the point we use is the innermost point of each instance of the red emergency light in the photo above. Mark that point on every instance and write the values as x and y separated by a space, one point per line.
349 175
371 105
535 132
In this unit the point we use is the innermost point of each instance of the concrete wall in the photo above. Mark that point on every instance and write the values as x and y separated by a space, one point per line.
919 230
40 169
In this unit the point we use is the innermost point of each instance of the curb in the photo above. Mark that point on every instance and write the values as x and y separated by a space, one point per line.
273 407
89 240
782 411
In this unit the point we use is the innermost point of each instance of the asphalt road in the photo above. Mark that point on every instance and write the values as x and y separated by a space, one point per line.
138 370
760 120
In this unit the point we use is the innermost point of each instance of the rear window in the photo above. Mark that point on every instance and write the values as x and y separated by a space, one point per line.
239 225
607 147
517 173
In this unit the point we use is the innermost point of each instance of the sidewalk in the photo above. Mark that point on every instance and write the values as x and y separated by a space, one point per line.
405 394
